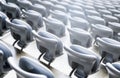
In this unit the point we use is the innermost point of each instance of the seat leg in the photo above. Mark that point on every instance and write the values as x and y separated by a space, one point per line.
108 58
72 71
101 59
40 56
21 49
15 42
49 63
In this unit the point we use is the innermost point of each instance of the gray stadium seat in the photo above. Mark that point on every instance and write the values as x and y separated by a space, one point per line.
48 44
24 4
79 23
29 68
6 51
82 61
113 69
21 32
96 20
99 30
80 37
11 10
61 16
55 26
3 26
109 49
33 18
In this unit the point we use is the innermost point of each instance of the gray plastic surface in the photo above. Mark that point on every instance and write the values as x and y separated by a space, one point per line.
30 68
113 69
11 10
109 49
55 26
87 62
49 44
33 18
80 37
21 31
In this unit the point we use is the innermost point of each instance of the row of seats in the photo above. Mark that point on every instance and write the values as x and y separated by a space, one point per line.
91 23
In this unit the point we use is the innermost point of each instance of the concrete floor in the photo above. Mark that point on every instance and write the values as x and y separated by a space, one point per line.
59 67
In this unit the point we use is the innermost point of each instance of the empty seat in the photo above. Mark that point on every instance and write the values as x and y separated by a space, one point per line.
88 7
48 5
6 51
39 8
98 7
113 69
59 7
79 23
109 49
55 1
61 16
24 4
77 3
118 16
33 18
11 10
96 20
104 12
80 37
82 61
29 68
55 26
65 4
99 30
115 27
91 13
74 7
114 11
21 32
3 26
49 44
117 6
109 7
35 1
76 13
110 18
